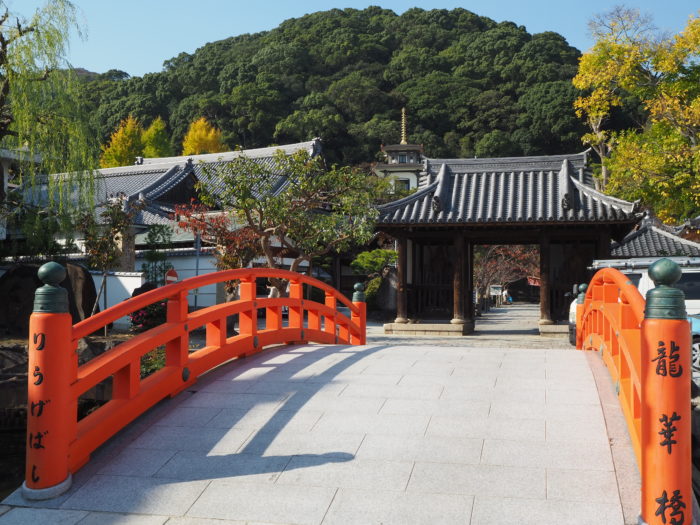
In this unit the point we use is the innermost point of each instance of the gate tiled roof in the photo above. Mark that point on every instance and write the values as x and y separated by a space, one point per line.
513 190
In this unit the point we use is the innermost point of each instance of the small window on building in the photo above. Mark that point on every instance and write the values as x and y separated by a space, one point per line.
402 159
402 185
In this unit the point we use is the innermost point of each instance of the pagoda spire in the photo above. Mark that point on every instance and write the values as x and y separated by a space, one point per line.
403 126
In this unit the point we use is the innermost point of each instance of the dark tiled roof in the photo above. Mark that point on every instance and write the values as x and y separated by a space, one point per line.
512 190
155 177
653 241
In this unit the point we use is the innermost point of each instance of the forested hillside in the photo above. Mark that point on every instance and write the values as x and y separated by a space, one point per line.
471 86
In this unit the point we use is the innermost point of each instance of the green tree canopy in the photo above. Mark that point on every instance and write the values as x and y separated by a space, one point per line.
318 211
155 139
42 114
335 73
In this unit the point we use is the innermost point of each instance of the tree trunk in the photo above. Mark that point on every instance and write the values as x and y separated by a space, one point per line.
99 293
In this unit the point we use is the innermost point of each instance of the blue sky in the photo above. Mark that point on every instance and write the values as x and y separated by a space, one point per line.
136 36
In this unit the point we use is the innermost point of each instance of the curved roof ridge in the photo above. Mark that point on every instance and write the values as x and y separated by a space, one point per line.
313 146
166 181
675 237
422 192
628 207
478 160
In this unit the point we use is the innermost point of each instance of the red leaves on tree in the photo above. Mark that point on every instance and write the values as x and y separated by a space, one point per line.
234 247
504 264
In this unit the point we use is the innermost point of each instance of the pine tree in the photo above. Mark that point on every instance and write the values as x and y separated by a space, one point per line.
124 146
156 142
202 137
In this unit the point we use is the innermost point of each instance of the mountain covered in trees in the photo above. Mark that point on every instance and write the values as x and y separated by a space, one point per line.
471 86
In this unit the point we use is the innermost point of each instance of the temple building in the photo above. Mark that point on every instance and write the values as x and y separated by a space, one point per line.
549 201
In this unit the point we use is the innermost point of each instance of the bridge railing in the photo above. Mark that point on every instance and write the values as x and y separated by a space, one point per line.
646 348
59 444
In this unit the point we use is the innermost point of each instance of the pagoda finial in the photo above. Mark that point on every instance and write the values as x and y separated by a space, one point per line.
403 126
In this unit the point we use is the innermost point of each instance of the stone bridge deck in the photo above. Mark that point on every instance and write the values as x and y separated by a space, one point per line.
389 433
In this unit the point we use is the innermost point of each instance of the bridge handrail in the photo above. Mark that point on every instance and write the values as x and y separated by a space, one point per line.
59 444
101 319
646 347
614 306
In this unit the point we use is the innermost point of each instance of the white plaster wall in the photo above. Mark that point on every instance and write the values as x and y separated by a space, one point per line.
120 286
185 266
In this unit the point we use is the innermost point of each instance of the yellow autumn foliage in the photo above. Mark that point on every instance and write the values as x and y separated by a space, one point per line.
659 162
202 137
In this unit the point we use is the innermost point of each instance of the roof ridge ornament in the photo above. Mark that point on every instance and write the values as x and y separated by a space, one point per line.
441 200
566 189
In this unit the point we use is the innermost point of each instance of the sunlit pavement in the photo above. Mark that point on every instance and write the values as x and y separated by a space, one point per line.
500 427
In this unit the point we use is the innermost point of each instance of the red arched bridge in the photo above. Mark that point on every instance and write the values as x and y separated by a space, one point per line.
345 432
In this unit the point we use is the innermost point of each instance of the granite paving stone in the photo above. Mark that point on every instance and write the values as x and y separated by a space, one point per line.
188 520
142 462
216 400
352 507
364 474
136 495
565 455
472 480
302 505
188 417
324 403
268 419
490 427
309 443
191 466
26 516
568 396
186 438
438 407
497 511
112 518
436 449
592 486
393 424
393 391
348 378
457 381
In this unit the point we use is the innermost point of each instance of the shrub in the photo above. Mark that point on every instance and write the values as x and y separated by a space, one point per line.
371 293
148 317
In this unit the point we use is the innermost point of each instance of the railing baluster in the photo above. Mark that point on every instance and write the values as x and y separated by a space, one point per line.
329 323
248 319
296 311
177 350
273 318
216 332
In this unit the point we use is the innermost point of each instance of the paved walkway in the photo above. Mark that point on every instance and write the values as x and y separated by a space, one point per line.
389 433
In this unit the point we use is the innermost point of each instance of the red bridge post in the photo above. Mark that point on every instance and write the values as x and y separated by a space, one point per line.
358 299
51 413
666 414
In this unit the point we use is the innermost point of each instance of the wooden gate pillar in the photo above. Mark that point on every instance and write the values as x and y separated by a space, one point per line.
469 287
545 294
458 281
401 311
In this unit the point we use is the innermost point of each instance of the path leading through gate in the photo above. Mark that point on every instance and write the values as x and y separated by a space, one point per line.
489 429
